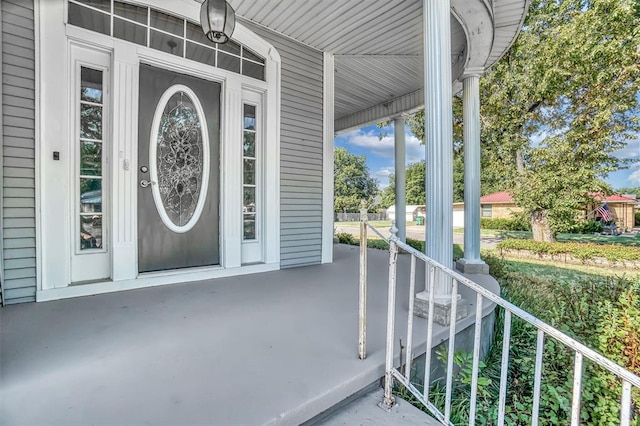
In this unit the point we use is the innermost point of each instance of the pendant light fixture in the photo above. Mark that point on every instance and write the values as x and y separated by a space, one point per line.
218 20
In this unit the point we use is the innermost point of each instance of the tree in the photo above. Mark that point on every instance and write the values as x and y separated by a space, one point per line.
631 191
352 181
558 105
414 188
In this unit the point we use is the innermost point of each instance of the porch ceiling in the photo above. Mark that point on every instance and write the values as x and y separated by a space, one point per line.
378 45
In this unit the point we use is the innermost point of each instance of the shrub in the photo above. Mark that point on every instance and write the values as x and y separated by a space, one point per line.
583 251
582 227
637 221
516 224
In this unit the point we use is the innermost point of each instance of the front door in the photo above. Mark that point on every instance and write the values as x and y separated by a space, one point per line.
178 171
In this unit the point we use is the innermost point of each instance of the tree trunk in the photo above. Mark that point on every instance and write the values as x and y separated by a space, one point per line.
540 227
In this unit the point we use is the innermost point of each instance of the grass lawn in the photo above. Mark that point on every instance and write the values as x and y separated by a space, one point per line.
552 271
374 223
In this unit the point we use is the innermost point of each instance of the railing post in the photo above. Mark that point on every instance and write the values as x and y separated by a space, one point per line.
388 399
362 309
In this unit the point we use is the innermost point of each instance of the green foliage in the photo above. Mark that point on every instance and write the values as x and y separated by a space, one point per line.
583 251
582 227
602 313
415 194
505 224
637 219
352 181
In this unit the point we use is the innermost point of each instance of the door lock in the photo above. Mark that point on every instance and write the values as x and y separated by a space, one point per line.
144 183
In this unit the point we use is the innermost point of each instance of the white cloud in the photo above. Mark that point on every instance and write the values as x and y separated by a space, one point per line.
634 177
382 175
631 150
385 147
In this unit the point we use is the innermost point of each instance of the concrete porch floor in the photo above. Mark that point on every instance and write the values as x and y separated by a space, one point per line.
265 349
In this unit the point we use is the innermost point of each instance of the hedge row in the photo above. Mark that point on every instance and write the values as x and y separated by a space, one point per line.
505 224
583 251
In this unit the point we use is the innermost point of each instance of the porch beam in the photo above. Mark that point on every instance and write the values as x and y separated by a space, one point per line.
401 180
471 262
438 136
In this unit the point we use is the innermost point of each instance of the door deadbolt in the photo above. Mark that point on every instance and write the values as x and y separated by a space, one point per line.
144 169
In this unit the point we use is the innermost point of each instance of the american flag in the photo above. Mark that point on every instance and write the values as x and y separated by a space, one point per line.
604 212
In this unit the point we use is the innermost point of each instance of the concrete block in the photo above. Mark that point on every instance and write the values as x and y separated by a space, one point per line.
442 309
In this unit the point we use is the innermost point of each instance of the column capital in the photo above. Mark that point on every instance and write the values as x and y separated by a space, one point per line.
473 72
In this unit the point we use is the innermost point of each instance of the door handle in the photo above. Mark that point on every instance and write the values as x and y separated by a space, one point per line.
144 183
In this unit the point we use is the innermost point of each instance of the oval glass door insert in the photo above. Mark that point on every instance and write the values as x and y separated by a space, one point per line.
179 158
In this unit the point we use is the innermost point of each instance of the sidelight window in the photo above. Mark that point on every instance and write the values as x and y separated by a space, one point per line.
249 179
91 158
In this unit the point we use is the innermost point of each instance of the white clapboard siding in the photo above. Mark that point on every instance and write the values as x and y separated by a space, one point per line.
300 150
18 151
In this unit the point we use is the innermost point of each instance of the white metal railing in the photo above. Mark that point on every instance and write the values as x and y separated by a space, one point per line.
627 378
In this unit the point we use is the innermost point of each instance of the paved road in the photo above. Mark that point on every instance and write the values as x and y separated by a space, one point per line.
417 233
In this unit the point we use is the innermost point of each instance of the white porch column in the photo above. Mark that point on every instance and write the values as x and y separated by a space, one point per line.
471 263
400 172
438 135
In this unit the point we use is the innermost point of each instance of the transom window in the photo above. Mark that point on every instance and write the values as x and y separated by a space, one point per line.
158 30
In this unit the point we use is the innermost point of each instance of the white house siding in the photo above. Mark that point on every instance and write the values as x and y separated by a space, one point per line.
300 150
18 148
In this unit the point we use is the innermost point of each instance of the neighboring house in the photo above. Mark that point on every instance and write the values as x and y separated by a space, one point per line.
621 208
499 205
138 153
411 212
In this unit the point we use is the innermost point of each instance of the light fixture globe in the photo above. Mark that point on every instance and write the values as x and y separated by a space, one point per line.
218 20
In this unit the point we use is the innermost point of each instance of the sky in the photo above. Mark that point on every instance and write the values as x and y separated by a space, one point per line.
379 154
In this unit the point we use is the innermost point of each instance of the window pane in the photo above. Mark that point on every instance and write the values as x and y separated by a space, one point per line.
201 54
195 33
250 117
130 11
249 172
166 43
249 200
89 19
129 31
231 47
228 62
90 158
90 121
249 227
90 195
167 23
91 85
246 53
98 4
251 69
249 144
91 232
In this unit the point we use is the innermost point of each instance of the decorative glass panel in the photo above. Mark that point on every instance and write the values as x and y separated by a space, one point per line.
90 232
249 172
201 54
166 43
90 195
130 11
90 121
167 23
251 69
228 62
90 158
249 232
249 144
91 85
129 31
179 158
249 199
89 19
